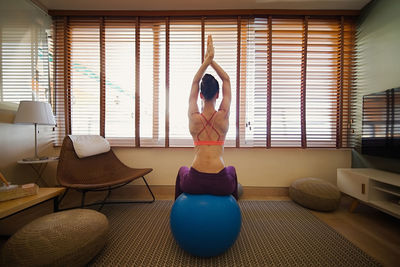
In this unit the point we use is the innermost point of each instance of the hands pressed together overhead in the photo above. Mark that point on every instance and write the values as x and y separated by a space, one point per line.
210 49
226 86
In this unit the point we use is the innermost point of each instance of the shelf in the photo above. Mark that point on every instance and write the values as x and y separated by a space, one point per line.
377 188
391 207
374 174
387 189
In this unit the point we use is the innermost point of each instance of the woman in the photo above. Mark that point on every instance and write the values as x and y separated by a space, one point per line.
208 174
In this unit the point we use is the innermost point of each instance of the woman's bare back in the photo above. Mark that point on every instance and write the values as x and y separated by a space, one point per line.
208 158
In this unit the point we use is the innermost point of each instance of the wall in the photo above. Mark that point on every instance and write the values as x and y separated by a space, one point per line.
203 5
255 166
17 141
378 65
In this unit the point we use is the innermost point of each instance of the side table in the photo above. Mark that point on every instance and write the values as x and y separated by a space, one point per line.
13 206
39 166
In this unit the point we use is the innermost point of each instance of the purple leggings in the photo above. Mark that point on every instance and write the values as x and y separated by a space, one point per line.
192 181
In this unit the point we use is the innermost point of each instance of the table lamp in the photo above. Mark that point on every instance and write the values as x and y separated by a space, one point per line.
34 112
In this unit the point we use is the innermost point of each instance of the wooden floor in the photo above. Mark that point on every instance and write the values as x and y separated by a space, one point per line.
375 232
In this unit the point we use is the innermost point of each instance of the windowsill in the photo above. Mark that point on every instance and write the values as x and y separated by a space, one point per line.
241 148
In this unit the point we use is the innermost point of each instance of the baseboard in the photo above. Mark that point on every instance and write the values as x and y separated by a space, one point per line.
163 192
168 192
264 193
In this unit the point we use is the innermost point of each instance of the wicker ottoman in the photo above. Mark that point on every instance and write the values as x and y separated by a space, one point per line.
315 194
67 238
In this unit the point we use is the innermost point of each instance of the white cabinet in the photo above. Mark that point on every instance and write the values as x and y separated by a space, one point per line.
377 188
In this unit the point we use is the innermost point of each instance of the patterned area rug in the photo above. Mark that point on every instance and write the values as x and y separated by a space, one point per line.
274 233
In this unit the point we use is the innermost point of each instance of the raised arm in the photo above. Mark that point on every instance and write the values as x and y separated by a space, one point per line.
194 92
226 87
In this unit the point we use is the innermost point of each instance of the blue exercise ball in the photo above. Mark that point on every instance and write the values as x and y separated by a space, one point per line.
205 225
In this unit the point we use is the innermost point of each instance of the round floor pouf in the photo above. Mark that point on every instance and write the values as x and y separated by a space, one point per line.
240 190
315 193
205 225
66 238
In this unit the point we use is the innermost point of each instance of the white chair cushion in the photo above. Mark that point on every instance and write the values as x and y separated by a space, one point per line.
89 145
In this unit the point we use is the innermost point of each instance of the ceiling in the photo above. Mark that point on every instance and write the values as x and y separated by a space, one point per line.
200 4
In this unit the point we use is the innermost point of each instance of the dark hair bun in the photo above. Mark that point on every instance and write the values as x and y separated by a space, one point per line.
209 86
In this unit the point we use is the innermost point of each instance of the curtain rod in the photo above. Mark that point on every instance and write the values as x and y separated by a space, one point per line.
231 12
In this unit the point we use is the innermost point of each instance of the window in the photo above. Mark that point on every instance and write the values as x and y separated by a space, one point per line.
152 82
323 63
129 78
120 61
224 32
254 77
24 63
185 58
84 76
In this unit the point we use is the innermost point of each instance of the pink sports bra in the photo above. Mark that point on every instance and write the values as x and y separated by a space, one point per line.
199 142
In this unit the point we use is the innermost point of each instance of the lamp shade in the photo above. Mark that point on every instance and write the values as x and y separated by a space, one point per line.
34 112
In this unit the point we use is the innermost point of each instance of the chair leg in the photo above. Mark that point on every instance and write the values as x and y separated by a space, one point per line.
104 200
107 196
124 202
83 198
62 197
148 188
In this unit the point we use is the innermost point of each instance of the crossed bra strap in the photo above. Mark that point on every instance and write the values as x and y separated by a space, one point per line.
199 142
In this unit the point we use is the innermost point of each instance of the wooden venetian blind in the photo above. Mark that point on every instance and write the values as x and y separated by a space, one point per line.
348 99
152 81
94 78
119 80
254 78
322 73
296 79
286 81
61 81
129 78
84 73
225 36
185 58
